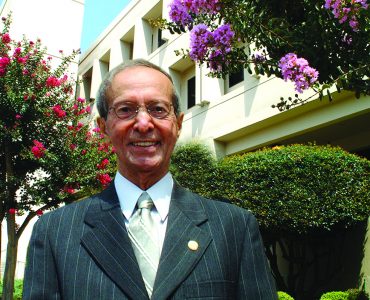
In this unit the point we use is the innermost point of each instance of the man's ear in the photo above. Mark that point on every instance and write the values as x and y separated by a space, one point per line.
179 120
102 125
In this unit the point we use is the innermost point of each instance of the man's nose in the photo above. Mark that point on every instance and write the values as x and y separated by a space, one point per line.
143 121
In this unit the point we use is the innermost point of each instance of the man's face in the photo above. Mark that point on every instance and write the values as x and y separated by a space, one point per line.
143 144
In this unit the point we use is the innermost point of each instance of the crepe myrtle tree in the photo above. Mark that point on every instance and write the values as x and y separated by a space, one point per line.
49 153
318 44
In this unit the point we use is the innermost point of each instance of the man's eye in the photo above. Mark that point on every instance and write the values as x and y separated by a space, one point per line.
125 109
158 108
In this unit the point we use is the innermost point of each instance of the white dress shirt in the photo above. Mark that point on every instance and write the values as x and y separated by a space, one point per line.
128 193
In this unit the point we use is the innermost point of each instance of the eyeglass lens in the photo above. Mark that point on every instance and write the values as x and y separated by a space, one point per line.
128 110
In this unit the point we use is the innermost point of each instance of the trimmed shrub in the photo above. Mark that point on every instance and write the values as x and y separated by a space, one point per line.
335 296
299 188
305 197
284 296
194 166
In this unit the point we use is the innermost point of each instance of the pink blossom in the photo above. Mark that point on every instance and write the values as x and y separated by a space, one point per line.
13 211
104 147
104 163
82 111
18 116
96 129
38 149
58 111
83 151
5 38
104 179
22 60
81 100
88 109
72 147
17 51
4 62
52 81
69 189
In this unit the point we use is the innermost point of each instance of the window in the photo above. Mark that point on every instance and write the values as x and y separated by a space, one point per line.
160 40
191 92
236 77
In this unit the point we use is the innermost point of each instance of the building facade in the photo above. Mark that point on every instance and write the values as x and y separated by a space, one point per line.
231 115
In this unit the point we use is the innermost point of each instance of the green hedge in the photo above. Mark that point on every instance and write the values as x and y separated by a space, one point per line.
195 167
284 296
296 188
335 296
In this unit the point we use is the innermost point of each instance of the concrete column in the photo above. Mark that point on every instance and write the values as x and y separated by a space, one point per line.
99 70
142 39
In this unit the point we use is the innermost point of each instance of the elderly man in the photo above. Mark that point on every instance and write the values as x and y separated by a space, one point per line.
145 237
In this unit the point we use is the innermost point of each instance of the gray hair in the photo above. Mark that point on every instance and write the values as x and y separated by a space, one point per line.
102 98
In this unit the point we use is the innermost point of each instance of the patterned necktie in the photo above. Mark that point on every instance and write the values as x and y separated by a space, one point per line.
143 235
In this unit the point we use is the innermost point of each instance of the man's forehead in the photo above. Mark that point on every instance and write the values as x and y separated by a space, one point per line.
133 81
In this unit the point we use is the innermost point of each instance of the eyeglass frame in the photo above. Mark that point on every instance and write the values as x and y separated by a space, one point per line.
139 107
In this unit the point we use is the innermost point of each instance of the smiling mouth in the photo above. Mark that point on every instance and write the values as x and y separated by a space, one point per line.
144 144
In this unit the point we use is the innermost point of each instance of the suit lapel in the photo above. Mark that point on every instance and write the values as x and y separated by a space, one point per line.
109 245
177 260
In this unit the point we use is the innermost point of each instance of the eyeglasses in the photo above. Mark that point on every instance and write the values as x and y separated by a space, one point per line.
129 110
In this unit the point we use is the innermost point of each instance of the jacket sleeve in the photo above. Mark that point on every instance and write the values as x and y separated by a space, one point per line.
255 277
40 278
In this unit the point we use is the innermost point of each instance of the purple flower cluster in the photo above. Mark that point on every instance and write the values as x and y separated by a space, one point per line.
216 44
179 13
181 10
297 70
200 39
346 10
258 57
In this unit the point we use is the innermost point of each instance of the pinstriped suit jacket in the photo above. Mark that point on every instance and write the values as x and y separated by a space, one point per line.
82 251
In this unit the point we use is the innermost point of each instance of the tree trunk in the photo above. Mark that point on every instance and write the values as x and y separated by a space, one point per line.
11 259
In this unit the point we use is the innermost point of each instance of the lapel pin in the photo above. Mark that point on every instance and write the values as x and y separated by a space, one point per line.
193 245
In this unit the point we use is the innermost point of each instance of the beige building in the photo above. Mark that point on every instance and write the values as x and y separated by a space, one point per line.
58 24
232 115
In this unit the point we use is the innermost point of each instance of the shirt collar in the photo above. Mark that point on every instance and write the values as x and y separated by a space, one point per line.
128 193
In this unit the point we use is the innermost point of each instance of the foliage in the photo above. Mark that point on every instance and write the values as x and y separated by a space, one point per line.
194 166
49 154
335 296
332 35
299 188
304 197
18 289
47 146
356 294
284 296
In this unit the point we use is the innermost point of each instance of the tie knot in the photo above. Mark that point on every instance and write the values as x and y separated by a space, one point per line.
145 201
